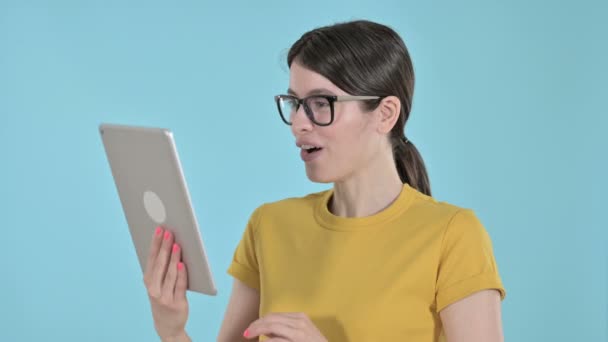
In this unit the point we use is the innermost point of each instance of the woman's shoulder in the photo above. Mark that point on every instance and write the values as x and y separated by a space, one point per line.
430 206
453 223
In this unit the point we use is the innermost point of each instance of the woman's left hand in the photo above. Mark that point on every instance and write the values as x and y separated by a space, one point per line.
285 327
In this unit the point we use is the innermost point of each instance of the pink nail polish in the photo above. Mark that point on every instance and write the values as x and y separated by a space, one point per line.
167 235
246 333
180 266
158 231
175 248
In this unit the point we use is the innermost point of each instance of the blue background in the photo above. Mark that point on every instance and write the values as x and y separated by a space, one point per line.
507 114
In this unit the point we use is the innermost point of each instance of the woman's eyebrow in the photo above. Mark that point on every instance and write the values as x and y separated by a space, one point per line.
316 91
320 91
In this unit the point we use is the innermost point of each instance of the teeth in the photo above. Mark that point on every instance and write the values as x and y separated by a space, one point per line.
308 147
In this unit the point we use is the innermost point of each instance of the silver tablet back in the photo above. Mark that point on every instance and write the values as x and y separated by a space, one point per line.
153 191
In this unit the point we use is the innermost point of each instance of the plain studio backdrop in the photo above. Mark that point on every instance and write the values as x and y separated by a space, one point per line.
509 114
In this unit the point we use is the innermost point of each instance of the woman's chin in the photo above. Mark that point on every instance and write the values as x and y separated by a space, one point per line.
318 177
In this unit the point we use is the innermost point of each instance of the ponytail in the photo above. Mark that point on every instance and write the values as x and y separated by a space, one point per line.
410 165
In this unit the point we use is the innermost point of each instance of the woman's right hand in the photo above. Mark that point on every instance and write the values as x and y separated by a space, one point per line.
166 280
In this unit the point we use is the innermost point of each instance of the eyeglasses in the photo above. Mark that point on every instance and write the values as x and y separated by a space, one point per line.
318 108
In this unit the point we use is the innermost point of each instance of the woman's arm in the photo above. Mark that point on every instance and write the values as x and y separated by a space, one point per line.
243 308
475 318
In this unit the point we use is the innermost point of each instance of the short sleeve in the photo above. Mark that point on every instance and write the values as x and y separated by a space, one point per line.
467 262
244 265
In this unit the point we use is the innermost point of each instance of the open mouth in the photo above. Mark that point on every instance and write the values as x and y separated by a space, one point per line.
311 149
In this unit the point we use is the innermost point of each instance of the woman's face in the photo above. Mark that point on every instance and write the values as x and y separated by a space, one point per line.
347 145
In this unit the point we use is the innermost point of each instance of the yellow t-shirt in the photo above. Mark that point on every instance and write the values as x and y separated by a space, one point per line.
383 277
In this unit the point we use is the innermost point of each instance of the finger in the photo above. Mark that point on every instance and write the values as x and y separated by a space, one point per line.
277 339
288 318
171 277
162 260
279 325
278 330
182 282
153 251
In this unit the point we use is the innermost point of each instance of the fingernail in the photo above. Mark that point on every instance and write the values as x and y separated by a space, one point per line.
180 266
167 235
159 230
246 333
175 248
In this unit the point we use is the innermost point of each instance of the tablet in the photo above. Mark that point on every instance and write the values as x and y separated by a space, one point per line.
153 191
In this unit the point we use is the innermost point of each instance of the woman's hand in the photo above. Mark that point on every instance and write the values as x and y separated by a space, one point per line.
285 327
166 281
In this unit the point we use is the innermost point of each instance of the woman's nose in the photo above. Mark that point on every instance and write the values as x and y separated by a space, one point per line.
300 121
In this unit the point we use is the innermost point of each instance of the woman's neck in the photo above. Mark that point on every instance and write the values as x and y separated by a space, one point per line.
367 192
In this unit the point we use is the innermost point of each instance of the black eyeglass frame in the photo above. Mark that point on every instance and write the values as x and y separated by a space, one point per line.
330 98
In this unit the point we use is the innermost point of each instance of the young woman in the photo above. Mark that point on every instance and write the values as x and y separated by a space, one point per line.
376 258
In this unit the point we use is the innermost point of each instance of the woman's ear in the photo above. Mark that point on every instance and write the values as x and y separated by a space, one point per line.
389 110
